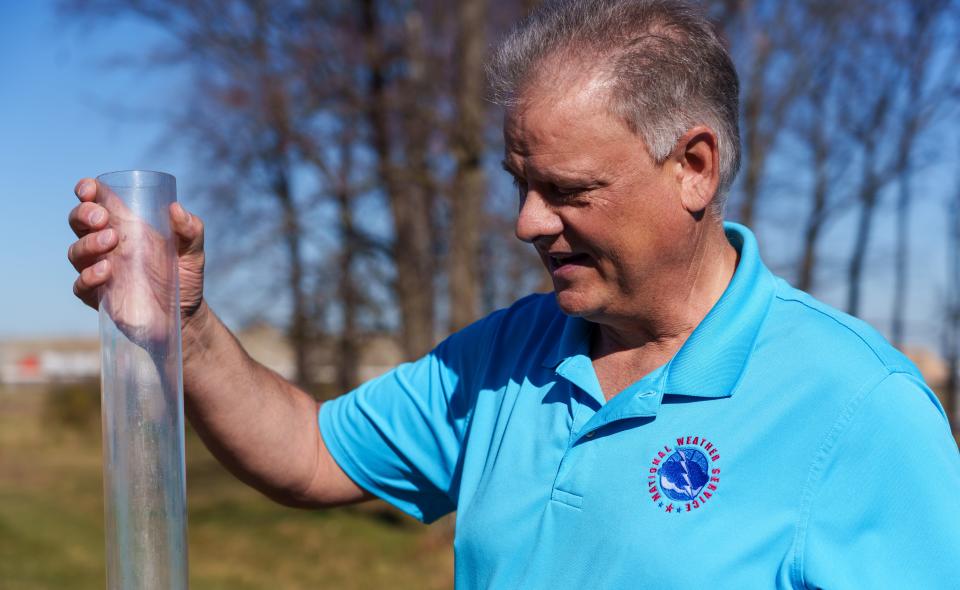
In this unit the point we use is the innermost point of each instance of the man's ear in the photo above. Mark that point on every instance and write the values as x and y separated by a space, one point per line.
699 168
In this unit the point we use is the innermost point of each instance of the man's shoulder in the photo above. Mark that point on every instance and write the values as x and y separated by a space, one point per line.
846 378
544 304
817 331
530 311
526 323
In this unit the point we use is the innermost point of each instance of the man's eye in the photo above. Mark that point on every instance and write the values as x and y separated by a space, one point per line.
569 191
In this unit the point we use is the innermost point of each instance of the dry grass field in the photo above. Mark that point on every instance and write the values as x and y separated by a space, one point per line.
51 517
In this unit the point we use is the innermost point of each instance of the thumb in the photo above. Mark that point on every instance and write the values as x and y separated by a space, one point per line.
188 229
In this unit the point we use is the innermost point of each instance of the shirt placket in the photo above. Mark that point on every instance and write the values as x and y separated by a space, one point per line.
589 416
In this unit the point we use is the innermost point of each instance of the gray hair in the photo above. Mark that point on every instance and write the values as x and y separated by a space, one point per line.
668 68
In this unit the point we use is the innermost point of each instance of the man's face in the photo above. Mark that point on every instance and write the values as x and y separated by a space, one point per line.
603 216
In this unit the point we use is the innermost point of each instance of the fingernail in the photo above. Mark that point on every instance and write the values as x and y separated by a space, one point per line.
82 189
100 268
105 237
96 217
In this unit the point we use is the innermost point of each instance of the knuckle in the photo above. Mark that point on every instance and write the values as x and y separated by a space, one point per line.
83 246
86 280
74 219
91 243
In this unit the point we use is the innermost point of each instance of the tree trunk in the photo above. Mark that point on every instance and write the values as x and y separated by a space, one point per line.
469 184
298 330
348 349
276 160
818 211
529 5
951 393
869 189
868 202
415 251
754 138
411 249
902 254
918 53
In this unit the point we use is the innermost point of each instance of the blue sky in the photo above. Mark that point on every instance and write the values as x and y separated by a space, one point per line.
59 99
67 110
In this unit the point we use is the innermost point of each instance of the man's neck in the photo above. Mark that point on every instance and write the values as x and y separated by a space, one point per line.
625 349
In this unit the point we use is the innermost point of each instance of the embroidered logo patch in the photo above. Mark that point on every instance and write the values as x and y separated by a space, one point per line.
685 477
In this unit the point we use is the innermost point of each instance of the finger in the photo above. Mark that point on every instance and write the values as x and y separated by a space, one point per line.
113 203
87 217
86 189
189 230
85 287
85 251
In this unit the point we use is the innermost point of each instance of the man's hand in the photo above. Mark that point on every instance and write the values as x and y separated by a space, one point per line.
101 222
257 424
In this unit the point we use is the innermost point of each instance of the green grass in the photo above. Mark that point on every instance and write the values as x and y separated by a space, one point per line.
51 518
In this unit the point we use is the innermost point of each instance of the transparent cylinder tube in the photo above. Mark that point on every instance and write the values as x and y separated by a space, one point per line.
142 391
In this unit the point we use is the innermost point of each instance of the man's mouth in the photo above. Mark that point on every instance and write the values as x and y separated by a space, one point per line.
557 261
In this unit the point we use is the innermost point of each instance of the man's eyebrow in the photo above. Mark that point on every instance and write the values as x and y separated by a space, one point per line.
506 166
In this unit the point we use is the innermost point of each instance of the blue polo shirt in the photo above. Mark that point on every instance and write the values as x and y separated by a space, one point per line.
785 445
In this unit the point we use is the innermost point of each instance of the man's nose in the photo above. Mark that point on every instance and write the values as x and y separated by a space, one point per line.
537 218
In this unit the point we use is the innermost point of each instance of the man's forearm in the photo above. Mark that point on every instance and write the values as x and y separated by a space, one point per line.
255 422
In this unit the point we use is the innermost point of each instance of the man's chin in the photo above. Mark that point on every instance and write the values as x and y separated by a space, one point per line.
574 304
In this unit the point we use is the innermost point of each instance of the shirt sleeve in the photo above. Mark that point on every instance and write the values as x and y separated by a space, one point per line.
400 435
886 512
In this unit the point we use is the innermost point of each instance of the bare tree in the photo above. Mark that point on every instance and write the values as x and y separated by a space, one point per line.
348 349
408 195
816 133
813 118
773 80
872 76
309 107
922 99
951 331
469 184
766 39
276 159
247 85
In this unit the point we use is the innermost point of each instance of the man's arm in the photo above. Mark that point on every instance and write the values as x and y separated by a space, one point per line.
257 424
883 512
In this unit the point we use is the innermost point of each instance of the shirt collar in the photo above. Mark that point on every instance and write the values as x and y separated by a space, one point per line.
574 340
711 361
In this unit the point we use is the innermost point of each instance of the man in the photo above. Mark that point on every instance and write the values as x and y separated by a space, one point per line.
673 415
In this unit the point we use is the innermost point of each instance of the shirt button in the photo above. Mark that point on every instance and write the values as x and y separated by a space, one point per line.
591 433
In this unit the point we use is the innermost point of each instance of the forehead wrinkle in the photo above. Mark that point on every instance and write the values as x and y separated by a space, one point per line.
555 165
562 129
554 160
556 150
552 114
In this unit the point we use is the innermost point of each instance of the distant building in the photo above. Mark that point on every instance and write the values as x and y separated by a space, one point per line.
49 360
931 365
57 360
934 368
378 354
